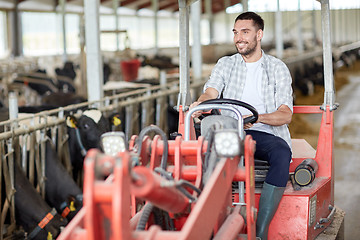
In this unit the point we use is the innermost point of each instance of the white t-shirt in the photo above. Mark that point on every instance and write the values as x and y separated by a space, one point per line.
252 94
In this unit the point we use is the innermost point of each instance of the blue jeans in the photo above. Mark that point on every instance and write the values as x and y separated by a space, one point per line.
276 152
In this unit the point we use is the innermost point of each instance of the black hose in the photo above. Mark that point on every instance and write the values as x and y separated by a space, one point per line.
183 182
159 217
169 224
177 185
147 209
186 193
164 173
158 130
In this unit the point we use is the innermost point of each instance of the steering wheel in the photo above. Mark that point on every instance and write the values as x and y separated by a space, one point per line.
250 119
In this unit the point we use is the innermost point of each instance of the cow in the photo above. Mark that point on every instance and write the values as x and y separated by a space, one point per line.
62 99
67 71
39 82
61 191
85 132
37 218
158 61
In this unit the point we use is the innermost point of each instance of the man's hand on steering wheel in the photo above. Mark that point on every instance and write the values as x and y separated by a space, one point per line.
197 113
248 125
252 118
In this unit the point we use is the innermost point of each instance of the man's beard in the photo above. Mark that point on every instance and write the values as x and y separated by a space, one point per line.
249 49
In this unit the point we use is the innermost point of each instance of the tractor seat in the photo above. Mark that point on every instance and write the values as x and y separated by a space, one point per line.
301 150
261 170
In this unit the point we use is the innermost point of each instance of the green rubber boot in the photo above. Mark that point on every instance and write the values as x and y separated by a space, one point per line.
268 204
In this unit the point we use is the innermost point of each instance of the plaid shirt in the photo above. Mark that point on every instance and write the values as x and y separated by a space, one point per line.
229 75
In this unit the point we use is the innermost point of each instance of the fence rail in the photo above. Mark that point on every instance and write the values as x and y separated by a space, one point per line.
23 138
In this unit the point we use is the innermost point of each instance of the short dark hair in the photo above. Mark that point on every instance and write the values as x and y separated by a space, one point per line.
258 21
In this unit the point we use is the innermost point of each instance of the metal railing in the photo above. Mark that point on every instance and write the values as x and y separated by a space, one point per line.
23 138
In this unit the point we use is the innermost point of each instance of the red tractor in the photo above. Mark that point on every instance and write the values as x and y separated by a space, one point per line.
166 178
167 189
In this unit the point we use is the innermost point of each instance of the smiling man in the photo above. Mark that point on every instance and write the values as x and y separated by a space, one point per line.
264 82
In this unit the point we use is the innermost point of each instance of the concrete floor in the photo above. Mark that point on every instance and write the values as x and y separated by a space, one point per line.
347 155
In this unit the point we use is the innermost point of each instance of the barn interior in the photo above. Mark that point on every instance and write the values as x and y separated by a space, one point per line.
142 60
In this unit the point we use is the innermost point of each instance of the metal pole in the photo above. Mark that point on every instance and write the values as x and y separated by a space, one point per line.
227 21
63 22
93 52
208 10
82 90
13 115
358 24
314 24
16 36
196 47
115 7
278 32
300 44
329 97
155 4
184 97
13 106
245 5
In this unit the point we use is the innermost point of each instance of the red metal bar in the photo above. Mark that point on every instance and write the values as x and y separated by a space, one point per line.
188 172
240 175
90 219
199 162
75 228
188 146
103 191
203 217
250 187
155 158
121 198
178 160
307 109
232 226
181 128
144 159
135 220
115 198
324 153
149 187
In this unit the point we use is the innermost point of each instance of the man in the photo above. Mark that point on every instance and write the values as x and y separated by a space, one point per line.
264 82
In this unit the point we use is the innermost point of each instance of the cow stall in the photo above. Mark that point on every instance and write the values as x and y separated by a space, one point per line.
23 138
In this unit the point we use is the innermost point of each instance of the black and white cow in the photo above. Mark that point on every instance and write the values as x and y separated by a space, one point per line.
37 218
84 133
61 191
63 198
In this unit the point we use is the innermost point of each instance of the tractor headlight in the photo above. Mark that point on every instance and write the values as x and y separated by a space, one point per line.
113 142
227 143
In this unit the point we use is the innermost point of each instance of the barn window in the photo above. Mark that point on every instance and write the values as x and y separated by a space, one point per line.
3 37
